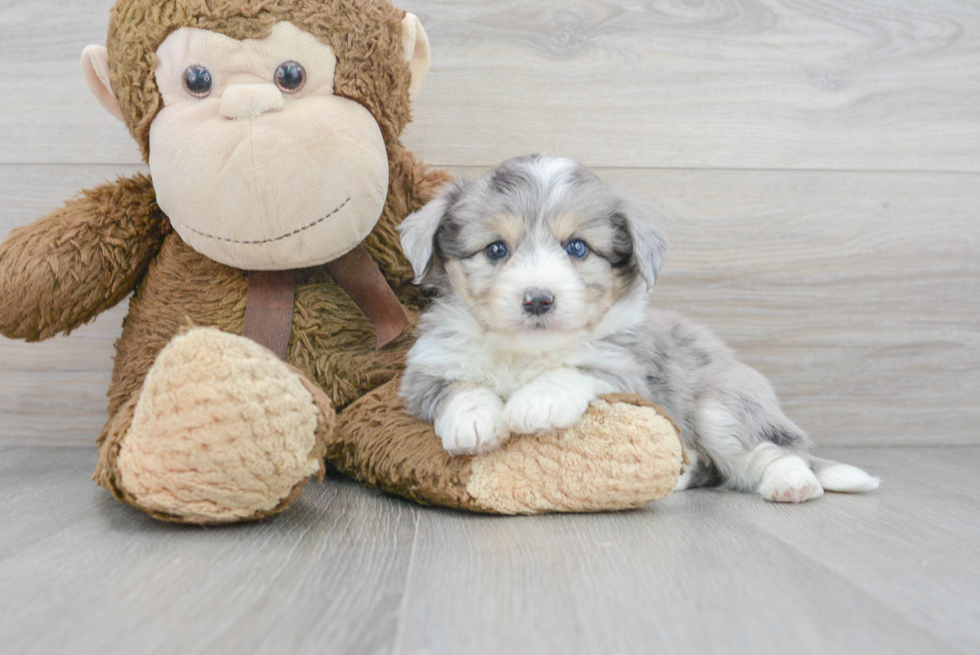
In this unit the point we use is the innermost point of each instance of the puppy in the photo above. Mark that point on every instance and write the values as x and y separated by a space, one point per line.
542 278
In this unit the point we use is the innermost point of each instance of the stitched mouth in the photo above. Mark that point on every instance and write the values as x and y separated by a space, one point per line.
274 239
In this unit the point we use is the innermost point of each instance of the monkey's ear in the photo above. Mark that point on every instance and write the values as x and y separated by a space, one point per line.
95 68
418 231
416 47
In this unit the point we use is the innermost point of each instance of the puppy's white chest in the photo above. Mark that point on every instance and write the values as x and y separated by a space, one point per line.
506 372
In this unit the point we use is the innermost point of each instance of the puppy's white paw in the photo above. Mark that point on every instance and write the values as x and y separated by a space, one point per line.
533 410
789 480
472 422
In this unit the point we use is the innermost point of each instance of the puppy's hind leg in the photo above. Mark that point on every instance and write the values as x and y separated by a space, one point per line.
749 459
789 479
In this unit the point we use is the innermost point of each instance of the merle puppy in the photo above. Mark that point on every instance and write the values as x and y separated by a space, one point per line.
543 278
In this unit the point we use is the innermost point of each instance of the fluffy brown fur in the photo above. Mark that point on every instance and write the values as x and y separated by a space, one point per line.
366 37
82 259
86 257
70 266
331 342
625 455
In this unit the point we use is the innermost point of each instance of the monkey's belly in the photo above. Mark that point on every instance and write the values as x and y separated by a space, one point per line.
332 342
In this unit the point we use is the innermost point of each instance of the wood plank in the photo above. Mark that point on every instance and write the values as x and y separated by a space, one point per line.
854 292
44 491
921 526
349 570
839 84
948 469
329 574
690 574
818 84
47 114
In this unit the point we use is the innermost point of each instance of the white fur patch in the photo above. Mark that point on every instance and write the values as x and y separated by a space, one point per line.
544 268
846 478
453 346
776 473
719 430
472 422
789 480
553 401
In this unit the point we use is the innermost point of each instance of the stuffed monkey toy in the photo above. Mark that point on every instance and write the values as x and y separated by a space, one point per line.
271 307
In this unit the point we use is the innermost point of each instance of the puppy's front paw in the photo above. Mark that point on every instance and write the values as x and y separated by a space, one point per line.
531 410
789 480
472 422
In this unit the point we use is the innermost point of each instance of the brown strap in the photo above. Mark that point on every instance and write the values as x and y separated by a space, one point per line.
269 309
358 275
271 294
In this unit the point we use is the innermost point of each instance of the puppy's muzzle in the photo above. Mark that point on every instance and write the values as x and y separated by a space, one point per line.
538 302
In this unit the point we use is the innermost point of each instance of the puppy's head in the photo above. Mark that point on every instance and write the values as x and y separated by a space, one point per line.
537 244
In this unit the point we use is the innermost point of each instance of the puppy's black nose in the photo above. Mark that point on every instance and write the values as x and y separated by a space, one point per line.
538 301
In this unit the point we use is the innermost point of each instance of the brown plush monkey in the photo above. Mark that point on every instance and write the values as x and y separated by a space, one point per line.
272 134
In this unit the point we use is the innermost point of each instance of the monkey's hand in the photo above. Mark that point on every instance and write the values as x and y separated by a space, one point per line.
70 266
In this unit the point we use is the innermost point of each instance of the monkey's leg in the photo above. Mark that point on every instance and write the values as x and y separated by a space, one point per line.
222 431
622 454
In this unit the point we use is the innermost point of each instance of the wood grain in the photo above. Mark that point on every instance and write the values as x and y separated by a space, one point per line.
856 293
82 573
801 84
817 84
704 572
350 571
921 530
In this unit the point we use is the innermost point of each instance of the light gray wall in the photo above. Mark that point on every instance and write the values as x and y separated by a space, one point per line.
817 165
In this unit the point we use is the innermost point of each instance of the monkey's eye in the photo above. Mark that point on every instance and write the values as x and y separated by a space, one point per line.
576 249
497 251
290 76
198 81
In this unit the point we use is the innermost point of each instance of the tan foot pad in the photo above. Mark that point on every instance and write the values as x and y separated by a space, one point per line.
622 454
223 431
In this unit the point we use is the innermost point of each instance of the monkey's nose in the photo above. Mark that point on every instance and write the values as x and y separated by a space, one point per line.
250 100
538 301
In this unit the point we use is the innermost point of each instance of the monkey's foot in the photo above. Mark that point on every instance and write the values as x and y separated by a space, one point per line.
621 454
222 431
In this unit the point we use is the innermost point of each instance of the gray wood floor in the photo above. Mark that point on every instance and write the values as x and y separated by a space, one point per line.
352 571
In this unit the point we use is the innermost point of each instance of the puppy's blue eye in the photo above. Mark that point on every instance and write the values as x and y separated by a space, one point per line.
497 251
576 249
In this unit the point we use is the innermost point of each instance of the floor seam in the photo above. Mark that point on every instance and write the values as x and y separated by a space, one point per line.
402 620
883 601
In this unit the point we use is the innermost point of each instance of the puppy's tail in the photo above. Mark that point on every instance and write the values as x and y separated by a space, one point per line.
834 476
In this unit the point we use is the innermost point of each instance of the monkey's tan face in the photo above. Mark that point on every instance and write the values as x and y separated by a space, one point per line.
254 159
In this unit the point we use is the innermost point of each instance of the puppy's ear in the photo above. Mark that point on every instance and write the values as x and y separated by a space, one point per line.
650 245
418 231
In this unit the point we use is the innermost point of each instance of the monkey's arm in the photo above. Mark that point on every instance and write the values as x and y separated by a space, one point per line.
75 263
